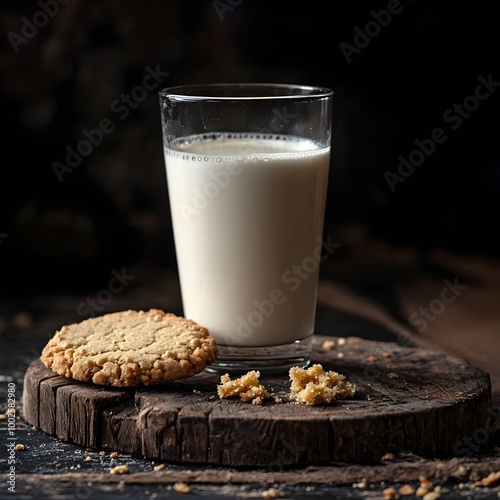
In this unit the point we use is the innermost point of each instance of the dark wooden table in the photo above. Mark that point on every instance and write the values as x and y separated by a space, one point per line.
374 292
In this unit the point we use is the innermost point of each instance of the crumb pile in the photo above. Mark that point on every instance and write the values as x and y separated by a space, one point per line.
314 386
247 387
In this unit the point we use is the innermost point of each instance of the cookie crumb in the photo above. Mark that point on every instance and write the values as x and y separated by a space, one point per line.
102 453
386 354
388 456
424 482
340 355
159 467
421 491
87 458
247 387
392 375
270 493
362 484
372 358
3 416
341 341
20 447
389 494
314 386
119 469
489 480
182 488
406 489
328 345
114 454
433 495
277 399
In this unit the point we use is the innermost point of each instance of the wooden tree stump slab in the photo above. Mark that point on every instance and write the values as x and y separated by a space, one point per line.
407 400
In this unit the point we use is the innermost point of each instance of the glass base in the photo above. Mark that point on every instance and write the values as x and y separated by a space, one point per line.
268 360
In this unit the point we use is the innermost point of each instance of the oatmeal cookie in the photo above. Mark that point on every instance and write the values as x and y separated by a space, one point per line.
130 348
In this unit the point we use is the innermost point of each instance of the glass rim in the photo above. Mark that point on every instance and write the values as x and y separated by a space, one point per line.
244 91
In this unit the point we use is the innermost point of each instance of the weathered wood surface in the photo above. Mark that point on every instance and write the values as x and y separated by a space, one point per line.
407 400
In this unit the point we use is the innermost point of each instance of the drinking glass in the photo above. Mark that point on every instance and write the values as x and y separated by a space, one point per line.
247 171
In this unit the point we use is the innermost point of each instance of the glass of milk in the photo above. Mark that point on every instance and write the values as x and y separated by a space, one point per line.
247 172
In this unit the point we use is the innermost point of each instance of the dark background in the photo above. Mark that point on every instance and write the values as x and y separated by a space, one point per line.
112 210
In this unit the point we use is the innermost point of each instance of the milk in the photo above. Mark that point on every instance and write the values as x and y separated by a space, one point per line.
247 214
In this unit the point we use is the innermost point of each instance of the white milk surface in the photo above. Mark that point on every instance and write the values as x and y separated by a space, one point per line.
247 215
